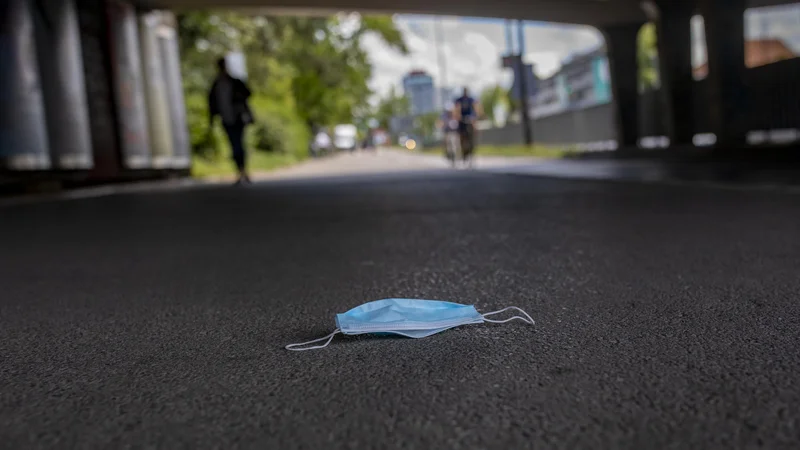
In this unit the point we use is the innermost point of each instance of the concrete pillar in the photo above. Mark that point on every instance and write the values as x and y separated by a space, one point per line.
727 91
156 94
95 49
675 63
171 61
23 130
61 63
621 42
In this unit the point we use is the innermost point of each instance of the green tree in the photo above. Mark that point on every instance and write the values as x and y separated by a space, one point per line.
513 105
490 98
302 70
647 56
332 68
425 125
393 105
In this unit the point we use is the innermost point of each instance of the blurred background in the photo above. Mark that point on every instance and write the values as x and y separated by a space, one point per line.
135 314
103 91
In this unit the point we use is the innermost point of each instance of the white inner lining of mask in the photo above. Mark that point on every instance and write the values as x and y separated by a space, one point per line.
427 325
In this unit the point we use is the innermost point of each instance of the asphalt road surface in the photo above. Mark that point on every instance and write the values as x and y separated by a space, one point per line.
666 316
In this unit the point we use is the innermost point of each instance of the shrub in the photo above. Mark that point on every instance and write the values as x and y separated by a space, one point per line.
277 128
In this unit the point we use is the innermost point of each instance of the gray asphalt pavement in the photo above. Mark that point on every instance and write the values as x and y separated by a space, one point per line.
666 316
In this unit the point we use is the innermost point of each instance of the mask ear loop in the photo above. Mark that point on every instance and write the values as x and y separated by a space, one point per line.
294 347
527 319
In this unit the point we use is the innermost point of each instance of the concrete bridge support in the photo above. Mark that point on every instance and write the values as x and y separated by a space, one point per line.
728 100
90 86
63 85
621 43
23 132
675 65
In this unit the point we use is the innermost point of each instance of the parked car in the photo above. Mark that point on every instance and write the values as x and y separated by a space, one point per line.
345 137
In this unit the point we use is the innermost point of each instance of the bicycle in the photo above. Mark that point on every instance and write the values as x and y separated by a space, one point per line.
466 131
452 143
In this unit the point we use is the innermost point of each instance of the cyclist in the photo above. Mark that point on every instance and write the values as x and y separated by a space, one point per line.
467 110
449 126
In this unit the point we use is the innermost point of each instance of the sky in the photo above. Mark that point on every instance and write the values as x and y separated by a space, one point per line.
471 51
472 48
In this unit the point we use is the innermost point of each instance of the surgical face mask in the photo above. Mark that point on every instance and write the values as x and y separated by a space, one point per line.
407 317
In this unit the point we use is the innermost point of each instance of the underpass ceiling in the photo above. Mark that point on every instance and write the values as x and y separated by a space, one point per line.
587 12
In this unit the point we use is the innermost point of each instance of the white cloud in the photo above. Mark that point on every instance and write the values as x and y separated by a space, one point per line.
545 63
471 51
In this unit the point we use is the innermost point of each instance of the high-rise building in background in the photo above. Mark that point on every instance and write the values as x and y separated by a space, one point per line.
418 87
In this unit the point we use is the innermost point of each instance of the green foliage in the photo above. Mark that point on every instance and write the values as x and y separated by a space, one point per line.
385 28
302 71
197 116
513 105
492 97
257 161
515 150
425 125
394 105
276 129
647 56
267 135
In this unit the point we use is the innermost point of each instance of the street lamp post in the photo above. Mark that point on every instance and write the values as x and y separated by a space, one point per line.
527 133
440 59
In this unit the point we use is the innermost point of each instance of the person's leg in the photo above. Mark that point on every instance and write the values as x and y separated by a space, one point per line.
471 139
235 136
243 154
466 145
448 145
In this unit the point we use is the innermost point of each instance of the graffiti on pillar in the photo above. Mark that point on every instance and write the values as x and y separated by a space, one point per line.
170 60
132 135
161 145
128 84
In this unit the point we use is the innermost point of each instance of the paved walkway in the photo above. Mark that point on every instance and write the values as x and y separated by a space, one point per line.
383 160
666 317
638 170
395 161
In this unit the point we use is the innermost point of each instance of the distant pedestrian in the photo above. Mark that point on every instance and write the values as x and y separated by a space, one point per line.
228 99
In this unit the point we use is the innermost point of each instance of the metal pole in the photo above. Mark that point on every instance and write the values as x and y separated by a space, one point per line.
509 38
441 62
527 133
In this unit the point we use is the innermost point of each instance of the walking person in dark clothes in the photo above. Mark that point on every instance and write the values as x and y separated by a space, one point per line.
228 100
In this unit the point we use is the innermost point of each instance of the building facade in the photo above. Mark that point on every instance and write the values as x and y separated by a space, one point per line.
582 81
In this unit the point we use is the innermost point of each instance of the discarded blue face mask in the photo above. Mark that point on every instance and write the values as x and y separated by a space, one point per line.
407 317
